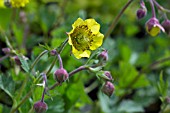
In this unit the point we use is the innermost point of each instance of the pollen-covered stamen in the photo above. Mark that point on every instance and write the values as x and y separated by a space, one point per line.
82 38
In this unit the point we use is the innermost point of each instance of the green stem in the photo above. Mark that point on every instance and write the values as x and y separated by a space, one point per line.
115 21
22 101
55 59
36 81
22 87
163 108
37 59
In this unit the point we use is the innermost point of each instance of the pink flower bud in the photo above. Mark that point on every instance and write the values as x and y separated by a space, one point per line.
40 107
141 13
107 73
108 88
103 55
153 27
53 52
17 61
61 75
6 50
166 26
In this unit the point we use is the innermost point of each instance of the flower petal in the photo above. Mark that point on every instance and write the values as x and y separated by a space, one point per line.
78 22
69 40
97 41
154 31
80 54
93 25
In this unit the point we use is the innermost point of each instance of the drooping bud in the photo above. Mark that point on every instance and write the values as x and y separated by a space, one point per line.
16 59
108 74
166 26
142 11
108 88
153 27
103 55
6 50
40 107
53 52
61 75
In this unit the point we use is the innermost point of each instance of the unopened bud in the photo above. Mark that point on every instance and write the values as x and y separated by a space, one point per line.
166 26
6 50
40 107
167 100
108 88
53 52
141 13
17 61
103 55
108 74
153 27
61 75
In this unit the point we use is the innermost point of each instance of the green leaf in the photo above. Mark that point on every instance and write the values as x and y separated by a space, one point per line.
7 84
24 63
55 106
162 86
129 106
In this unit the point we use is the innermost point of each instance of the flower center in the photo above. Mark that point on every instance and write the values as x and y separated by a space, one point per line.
81 38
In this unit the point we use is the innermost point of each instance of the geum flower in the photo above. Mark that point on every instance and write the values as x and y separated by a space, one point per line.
153 27
19 3
84 37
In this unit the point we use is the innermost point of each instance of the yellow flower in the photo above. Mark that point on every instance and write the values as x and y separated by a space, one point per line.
84 37
2 4
153 27
19 3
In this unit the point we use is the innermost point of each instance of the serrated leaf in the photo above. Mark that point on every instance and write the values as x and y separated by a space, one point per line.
24 63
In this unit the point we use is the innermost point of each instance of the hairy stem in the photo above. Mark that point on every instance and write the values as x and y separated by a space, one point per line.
115 21
55 59
160 7
153 8
4 57
60 60
77 70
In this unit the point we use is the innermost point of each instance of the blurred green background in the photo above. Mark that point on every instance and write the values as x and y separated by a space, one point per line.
132 53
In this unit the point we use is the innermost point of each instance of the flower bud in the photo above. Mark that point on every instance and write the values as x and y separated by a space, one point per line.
167 100
61 75
108 88
40 107
109 76
17 61
166 26
53 52
153 27
141 13
103 55
6 50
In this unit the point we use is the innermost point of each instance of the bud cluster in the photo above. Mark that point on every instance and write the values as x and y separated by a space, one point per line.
153 26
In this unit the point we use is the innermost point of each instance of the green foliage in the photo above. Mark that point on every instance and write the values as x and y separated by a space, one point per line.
139 64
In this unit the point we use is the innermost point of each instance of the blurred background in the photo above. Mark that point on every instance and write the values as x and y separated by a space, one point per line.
138 62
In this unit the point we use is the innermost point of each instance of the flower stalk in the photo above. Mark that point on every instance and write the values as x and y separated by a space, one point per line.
153 8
